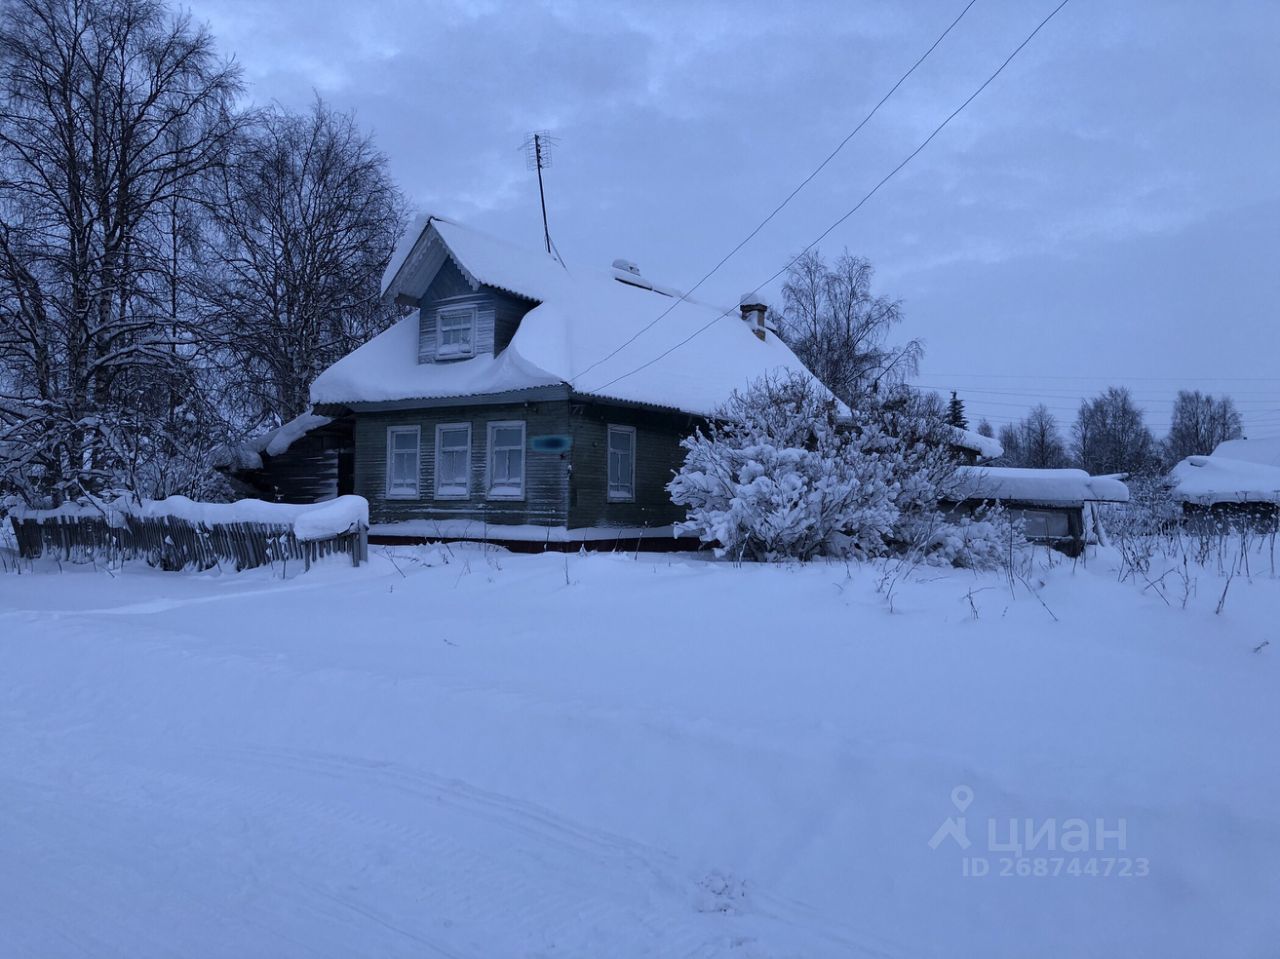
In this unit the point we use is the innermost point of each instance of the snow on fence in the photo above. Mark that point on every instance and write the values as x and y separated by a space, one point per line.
178 533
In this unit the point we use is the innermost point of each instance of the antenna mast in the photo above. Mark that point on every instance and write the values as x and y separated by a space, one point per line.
538 153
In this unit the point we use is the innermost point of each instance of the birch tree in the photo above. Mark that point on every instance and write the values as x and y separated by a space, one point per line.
840 329
1110 435
112 114
305 223
1200 422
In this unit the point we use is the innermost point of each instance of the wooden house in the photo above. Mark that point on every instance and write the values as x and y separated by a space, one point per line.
523 401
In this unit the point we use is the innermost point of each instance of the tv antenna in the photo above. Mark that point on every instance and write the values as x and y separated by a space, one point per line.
537 148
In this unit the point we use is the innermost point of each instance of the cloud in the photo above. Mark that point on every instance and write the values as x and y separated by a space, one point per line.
1123 134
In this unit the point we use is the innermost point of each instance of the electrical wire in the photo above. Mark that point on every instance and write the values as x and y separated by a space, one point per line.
875 189
790 196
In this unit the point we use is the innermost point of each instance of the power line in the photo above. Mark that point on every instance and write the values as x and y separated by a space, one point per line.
874 190
789 197
997 419
1036 390
1035 397
1163 379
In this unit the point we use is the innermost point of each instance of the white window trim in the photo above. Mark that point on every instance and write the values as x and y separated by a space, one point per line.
466 491
493 426
417 474
471 312
610 495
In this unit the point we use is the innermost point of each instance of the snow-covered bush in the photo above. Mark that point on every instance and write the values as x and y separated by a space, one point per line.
1150 511
786 472
777 475
987 539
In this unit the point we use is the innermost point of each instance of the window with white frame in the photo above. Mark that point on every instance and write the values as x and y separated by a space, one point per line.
506 460
455 332
453 460
402 461
622 463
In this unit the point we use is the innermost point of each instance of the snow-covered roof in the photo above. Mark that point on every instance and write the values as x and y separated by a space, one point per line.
1219 479
666 351
281 438
986 447
1264 451
248 455
1061 487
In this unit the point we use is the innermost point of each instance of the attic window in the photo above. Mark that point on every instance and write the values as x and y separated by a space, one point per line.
455 332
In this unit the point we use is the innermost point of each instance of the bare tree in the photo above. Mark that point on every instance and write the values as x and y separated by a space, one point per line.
840 329
1042 446
111 114
1110 435
306 221
1200 422
1011 440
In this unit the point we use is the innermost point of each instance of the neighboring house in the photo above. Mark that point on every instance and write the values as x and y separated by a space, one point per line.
1055 505
309 459
1239 483
972 448
546 402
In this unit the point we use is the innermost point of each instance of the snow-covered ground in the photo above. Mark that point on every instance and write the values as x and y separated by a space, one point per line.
471 753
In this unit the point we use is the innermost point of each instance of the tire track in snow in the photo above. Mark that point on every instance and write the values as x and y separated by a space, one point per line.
534 820
552 880
540 877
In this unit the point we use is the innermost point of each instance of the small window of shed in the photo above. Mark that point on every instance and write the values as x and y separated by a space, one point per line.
1045 524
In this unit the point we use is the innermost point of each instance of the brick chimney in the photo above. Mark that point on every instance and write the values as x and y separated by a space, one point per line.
753 313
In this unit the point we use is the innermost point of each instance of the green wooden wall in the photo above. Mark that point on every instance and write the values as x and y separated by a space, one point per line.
546 474
658 456
561 489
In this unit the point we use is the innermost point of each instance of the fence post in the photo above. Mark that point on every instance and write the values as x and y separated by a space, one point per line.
362 543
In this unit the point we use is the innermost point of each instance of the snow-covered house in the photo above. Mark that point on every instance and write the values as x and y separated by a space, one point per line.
520 393
973 448
1055 505
1238 482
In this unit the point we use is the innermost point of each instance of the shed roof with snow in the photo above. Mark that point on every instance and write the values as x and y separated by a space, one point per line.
1209 480
984 447
608 334
248 454
1039 487
1265 452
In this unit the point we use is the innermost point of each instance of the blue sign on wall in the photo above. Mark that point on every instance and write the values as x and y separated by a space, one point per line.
554 443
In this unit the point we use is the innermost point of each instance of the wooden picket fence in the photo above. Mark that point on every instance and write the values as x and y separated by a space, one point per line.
173 543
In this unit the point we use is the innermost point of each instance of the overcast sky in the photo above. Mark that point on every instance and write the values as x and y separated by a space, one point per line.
1108 211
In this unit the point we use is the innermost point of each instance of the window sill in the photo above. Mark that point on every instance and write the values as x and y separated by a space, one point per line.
505 496
620 499
404 496
456 495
